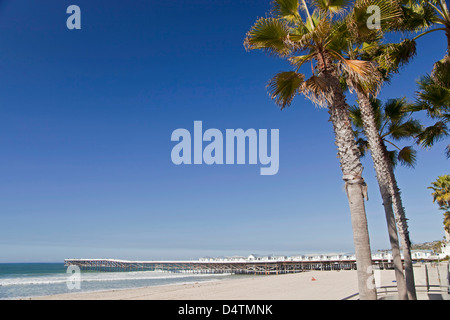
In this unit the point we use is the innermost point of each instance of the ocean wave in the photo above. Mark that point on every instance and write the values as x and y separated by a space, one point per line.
102 277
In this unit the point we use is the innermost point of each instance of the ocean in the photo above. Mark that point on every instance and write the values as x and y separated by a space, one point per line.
23 280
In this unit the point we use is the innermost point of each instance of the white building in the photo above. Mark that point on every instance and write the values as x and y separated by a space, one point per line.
421 254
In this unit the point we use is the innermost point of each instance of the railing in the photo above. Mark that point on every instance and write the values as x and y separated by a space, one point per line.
386 291
427 285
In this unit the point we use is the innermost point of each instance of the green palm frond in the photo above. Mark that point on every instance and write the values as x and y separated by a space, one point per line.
270 35
284 86
390 13
286 9
391 126
417 17
407 156
392 56
310 38
407 129
363 146
432 134
298 61
395 109
432 97
336 7
393 157
355 116
441 73
441 194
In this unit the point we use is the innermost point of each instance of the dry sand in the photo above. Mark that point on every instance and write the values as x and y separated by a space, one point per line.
331 285
328 285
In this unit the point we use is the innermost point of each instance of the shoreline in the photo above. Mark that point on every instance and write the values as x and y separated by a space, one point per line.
310 285
328 285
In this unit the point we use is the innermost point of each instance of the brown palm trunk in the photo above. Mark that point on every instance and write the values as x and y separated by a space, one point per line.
402 227
355 186
377 152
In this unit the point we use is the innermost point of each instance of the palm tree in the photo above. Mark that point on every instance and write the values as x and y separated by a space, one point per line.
315 39
381 126
388 58
441 196
421 15
433 98
393 125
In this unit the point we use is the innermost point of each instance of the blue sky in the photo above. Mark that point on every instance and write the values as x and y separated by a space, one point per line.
86 118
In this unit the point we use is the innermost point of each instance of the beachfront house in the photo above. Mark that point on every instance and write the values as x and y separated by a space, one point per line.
206 259
445 250
421 254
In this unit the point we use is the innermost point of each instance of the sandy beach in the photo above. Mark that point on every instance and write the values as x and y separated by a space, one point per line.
313 285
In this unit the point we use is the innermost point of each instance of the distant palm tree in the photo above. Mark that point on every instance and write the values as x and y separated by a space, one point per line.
316 39
441 196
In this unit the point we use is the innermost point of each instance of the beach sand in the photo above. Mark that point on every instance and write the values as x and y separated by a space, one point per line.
328 285
332 285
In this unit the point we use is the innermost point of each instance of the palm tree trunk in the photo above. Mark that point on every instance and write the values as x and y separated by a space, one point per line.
355 186
402 228
377 152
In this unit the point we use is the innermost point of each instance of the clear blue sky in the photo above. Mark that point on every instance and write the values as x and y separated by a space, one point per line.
86 118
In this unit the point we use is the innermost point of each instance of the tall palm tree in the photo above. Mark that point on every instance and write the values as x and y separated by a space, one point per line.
388 59
441 196
391 125
314 38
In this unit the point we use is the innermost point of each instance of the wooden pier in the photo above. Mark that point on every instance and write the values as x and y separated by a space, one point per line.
212 267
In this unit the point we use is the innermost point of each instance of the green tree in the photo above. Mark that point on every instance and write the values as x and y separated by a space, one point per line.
377 126
441 196
293 32
433 96
365 45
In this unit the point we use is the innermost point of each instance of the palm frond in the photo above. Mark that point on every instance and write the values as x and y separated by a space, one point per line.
335 7
286 9
407 156
270 35
298 61
355 116
284 86
392 56
395 109
363 146
363 74
432 134
417 17
393 157
388 14
408 129
317 89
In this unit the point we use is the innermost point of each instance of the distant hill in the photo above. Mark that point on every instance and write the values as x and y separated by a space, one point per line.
432 245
